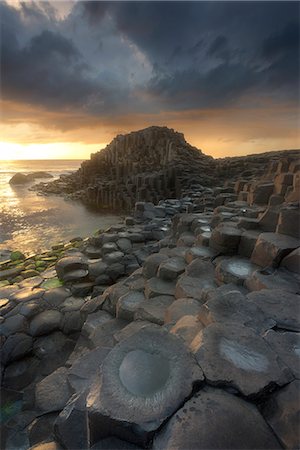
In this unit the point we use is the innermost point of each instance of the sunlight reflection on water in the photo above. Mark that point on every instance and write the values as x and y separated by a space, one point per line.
30 222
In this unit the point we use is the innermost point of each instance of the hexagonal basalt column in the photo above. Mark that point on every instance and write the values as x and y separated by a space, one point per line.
144 380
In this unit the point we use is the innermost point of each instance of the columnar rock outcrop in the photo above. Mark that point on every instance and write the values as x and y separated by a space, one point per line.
176 329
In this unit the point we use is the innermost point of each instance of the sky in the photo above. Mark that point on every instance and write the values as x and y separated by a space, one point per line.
76 73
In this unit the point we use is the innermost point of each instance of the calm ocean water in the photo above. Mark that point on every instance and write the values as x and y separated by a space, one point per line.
30 222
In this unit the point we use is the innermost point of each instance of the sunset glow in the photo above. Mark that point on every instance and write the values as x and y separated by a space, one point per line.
76 74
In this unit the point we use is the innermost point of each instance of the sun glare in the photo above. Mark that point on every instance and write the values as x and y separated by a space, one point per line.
65 150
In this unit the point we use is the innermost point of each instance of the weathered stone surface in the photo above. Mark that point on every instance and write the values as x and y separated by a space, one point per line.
155 287
214 419
133 397
205 253
52 393
46 446
282 414
233 307
45 322
271 248
247 242
281 306
128 304
70 264
192 287
84 369
27 294
287 346
182 307
96 269
71 426
200 268
152 263
292 261
103 336
154 310
14 324
131 329
171 269
289 220
238 357
280 279
15 347
234 270
225 238
187 327
113 443
55 297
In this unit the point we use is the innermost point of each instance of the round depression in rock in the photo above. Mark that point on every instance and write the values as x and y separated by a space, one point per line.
144 378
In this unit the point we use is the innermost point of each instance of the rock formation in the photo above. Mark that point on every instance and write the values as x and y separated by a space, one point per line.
178 328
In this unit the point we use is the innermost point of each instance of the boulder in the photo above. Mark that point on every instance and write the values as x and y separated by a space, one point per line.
128 304
16 346
152 263
156 287
187 327
70 264
292 261
188 286
182 307
234 270
214 419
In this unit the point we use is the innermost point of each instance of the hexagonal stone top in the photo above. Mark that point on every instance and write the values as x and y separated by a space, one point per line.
144 379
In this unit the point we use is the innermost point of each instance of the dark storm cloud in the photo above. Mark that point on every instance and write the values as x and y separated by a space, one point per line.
120 57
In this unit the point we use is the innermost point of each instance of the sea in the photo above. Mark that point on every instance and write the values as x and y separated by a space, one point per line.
31 222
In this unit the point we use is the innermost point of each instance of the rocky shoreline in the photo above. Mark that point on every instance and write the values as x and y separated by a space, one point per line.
177 329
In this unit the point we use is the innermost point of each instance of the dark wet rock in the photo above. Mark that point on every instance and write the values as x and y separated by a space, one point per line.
71 426
128 304
45 322
214 419
279 279
15 347
53 392
41 429
225 239
156 287
94 321
271 248
182 307
113 443
200 268
202 252
70 264
238 357
279 305
282 414
72 322
130 376
151 264
111 296
131 329
96 269
292 261
20 178
234 270
85 368
233 307
53 349
82 289
20 374
171 269
154 310
247 242
103 336
287 346
188 286
14 324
